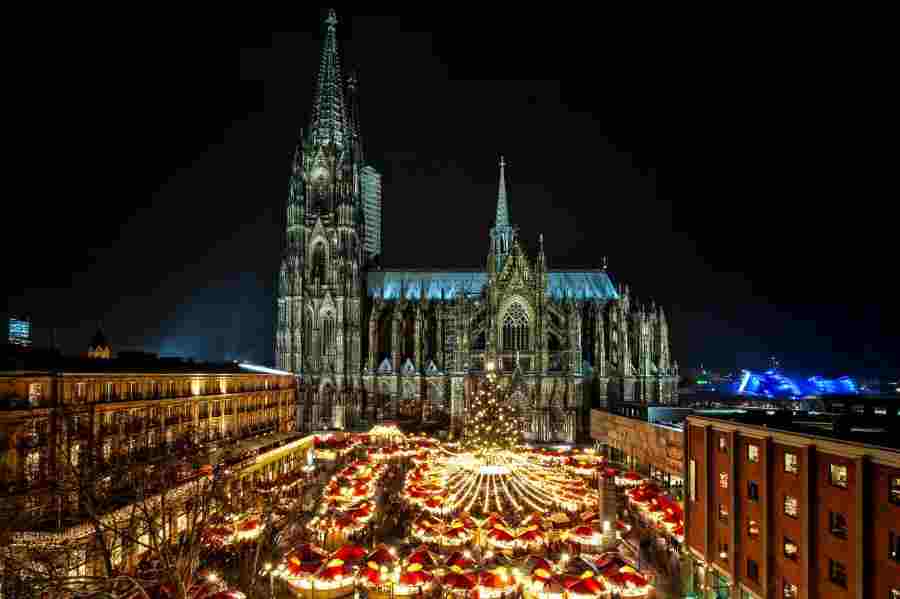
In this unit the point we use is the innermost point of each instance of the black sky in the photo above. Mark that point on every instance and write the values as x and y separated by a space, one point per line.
157 210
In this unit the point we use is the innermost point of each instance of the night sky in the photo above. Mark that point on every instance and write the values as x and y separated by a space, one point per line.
158 210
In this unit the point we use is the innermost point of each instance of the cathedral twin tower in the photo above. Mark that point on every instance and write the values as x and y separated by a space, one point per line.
370 343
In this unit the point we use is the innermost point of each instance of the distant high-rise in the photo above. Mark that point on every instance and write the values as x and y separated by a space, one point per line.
20 331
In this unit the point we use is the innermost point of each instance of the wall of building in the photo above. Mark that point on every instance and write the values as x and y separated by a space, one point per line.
657 446
863 501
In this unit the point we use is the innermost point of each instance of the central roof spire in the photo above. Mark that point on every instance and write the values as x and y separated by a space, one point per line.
329 114
502 219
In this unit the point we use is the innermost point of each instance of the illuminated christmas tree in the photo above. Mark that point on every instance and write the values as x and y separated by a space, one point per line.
493 423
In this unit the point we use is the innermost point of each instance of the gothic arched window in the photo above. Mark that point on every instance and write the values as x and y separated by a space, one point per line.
318 262
515 328
307 333
329 332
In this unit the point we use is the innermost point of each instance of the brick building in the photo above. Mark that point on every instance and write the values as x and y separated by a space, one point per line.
792 510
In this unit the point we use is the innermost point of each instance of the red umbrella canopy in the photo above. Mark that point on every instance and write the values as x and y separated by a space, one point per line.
308 553
531 533
372 573
626 575
415 576
535 519
589 517
583 531
459 560
494 579
588 586
632 475
609 562
539 563
500 535
493 520
423 556
349 553
455 579
333 569
381 556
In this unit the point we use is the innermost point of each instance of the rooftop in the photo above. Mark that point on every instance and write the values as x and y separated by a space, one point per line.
50 362
873 430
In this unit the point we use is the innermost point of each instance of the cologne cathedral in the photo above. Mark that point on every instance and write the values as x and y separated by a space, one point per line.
370 343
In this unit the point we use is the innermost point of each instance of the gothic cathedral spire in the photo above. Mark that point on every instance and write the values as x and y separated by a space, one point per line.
502 210
329 113
502 233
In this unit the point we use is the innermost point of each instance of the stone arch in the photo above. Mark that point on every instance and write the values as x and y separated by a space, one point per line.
319 258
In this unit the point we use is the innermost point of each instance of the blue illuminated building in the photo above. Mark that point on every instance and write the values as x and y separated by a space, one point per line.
774 384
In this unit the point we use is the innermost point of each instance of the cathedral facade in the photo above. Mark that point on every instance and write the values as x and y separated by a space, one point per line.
370 343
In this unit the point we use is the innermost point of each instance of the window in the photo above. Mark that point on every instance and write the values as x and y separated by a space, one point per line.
753 529
858 409
894 496
837 523
881 411
79 390
515 328
790 549
723 513
789 591
723 552
752 490
723 480
692 480
791 507
837 573
895 594
752 570
894 547
790 463
723 444
753 453
838 475
35 392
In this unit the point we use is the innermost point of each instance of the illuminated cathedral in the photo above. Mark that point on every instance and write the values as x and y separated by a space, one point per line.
370 343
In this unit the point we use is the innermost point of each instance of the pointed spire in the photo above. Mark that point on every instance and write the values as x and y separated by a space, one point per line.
502 219
329 116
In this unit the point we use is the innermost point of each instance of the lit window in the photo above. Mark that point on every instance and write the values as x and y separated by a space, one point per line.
881 411
35 392
723 480
752 490
790 591
79 390
837 573
894 547
753 453
791 506
838 475
895 491
723 552
790 549
753 529
723 444
791 464
838 524
895 594
723 513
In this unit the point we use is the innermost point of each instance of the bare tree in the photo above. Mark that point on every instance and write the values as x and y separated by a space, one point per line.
100 508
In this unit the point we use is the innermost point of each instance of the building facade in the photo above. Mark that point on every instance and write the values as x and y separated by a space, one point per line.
19 331
370 343
782 514
59 429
